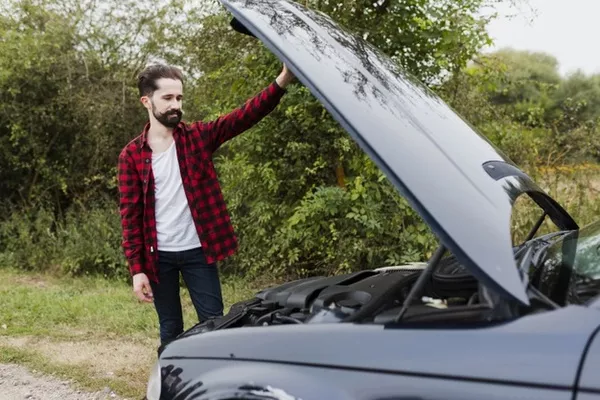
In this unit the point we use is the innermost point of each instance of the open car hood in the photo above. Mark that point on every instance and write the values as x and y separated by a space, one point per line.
459 183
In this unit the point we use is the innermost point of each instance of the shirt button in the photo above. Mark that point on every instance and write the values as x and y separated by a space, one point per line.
145 180
147 160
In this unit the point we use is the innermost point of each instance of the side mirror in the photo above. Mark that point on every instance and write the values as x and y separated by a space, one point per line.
239 27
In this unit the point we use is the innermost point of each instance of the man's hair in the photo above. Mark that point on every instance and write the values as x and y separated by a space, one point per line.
148 77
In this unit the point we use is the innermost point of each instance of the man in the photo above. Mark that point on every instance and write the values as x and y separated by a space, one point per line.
173 215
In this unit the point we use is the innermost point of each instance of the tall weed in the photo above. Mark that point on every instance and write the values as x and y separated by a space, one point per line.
84 242
330 231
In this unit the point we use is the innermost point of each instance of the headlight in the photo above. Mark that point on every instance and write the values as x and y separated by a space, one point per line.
154 383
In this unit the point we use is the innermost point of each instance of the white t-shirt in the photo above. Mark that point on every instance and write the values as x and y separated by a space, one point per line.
174 224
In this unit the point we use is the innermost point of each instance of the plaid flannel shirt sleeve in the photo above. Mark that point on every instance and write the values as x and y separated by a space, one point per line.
242 118
131 210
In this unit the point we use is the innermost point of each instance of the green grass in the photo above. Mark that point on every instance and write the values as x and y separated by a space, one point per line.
56 325
94 312
40 304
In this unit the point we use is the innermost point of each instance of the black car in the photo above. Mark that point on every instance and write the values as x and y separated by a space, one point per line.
483 319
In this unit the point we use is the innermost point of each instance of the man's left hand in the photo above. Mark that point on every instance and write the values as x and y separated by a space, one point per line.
285 77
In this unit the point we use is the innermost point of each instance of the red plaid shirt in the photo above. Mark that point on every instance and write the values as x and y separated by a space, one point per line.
195 145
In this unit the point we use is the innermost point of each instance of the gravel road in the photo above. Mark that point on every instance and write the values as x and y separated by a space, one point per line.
18 383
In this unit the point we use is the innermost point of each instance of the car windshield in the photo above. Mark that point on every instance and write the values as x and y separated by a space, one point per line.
569 272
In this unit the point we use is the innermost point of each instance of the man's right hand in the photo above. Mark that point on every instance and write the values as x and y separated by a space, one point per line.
141 288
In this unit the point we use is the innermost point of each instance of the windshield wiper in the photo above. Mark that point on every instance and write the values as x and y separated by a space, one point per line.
532 258
528 254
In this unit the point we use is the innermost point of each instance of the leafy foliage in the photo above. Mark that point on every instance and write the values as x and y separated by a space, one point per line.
303 197
521 103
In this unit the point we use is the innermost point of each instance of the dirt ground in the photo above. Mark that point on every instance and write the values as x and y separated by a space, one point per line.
17 382
107 358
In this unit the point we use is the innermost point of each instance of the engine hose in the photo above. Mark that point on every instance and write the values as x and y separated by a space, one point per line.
287 319
376 303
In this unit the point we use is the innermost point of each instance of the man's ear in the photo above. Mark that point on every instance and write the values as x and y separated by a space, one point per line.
146 102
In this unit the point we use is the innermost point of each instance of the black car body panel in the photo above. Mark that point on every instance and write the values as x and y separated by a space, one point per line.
434 158
543 349
587 396
219 380
590 373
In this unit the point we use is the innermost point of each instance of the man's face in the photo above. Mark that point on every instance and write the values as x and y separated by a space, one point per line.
165 103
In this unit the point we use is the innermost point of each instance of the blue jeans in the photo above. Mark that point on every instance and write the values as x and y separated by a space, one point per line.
202 281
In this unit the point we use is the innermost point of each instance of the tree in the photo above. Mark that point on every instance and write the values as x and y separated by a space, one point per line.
303 196
68 95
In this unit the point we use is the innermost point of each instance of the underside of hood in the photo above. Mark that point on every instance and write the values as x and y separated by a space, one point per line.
460 184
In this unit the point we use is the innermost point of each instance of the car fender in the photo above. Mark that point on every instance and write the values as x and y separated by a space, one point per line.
590 365
248 380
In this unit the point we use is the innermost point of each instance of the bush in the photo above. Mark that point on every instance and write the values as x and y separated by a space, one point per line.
91 243
366 224
28 240
84 242
330 229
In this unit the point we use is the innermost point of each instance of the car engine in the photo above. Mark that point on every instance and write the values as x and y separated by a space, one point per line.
370 296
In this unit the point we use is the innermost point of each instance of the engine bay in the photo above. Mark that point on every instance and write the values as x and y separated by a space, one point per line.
370 296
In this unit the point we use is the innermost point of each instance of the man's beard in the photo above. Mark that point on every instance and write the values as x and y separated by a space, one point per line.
169 119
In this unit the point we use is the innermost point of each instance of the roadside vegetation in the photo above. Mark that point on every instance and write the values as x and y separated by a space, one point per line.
303 197
88 329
